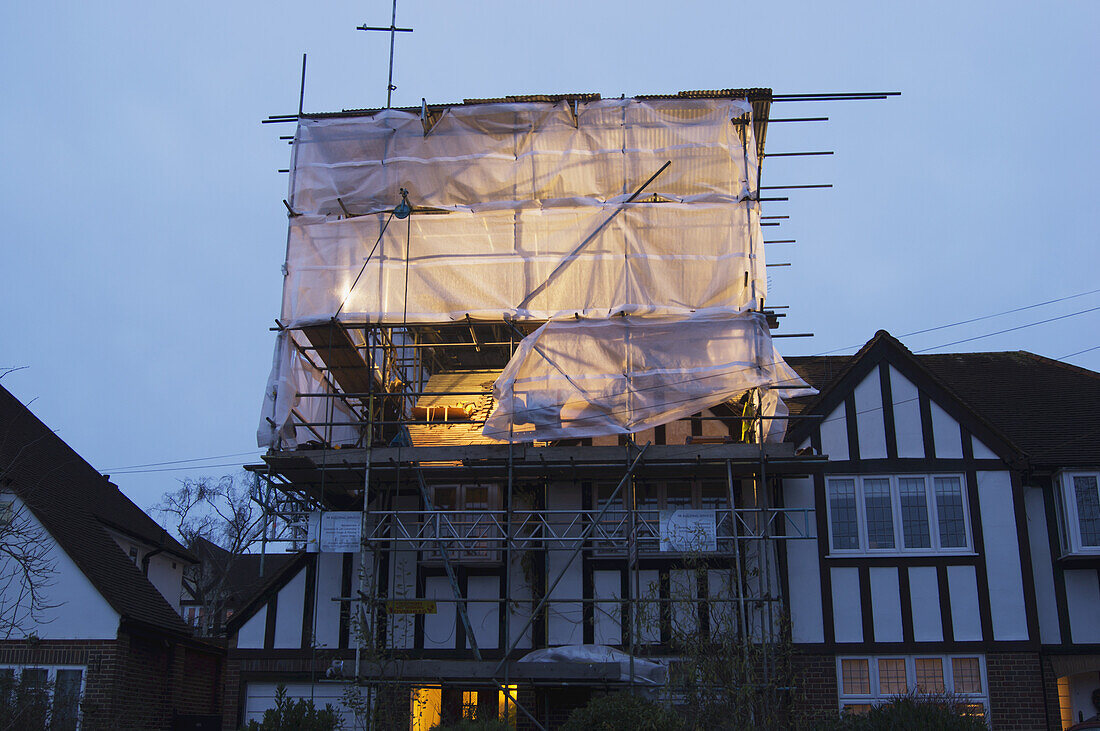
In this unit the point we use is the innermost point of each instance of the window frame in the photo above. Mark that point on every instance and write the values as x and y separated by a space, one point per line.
466 551
876 697
1069 521
899 548
51 679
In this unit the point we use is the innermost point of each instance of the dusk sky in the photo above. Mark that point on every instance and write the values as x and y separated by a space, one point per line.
145 228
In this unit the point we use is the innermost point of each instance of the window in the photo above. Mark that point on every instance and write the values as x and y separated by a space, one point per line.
902 513
868 681
652 498
470 514
1079 512
41 689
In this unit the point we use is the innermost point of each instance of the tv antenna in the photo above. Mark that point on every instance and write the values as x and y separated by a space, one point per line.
393 30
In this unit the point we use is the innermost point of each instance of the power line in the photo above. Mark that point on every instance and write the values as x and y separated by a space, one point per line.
1079 352
176 469
180 461
1010 329
973 319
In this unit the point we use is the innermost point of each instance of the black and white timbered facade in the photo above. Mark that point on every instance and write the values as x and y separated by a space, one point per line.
941 527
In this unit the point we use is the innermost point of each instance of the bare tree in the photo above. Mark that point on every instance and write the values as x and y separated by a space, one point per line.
26 564
220 520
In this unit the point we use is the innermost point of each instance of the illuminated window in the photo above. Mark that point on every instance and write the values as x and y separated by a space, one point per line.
891 676
929 674
870 681
425 708
967 674
506 705
469 704
856 677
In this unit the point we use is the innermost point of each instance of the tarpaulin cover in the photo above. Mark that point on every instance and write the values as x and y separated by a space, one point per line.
645 672
521 211
585 378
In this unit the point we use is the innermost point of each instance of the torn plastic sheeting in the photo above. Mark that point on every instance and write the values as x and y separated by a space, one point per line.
646 672
582 378
533 151
653 258
291 374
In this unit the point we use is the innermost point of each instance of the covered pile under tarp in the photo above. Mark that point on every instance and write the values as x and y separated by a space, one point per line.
645 672
524 212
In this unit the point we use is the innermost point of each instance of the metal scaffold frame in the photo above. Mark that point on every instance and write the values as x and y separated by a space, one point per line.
372 376
399 360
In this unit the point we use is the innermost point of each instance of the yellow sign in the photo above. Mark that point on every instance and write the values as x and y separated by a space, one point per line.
410 606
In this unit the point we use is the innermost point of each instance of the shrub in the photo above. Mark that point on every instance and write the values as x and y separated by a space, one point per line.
467 724
622 712
913 713
299 715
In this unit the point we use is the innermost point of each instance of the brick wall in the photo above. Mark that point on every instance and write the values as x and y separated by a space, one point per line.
815 694
98 657
1018 698
134 682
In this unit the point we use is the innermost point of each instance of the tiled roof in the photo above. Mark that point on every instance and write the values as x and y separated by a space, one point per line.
456 432
75 503
1049 410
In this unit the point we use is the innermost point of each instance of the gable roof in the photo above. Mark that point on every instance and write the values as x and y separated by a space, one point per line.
1047 410
77 505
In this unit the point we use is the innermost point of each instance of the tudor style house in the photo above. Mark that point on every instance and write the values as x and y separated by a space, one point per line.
951 546
958 532
104 634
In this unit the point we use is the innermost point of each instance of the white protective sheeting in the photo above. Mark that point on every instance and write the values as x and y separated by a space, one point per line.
529 220
642 258
492 155
619 375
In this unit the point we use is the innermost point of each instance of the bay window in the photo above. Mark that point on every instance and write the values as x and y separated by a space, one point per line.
897 513
1078 504
864 682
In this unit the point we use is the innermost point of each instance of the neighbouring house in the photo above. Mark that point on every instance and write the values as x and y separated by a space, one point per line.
545 442
106 634
220 583
958 526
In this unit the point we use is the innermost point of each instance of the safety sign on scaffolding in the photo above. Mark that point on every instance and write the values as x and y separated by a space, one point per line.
688 531
334 531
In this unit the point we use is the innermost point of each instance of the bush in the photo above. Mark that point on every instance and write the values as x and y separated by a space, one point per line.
467 724
299 715
622 712
913 713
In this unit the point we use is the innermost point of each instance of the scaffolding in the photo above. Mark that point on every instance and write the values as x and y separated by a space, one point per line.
395 416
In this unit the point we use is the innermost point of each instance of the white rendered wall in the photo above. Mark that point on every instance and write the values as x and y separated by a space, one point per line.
924 596
289 613
966 621
251 634
870 424
607 614
886 603
1083 600
834 435
440 628
79 611
1002 556
803 573
484 616
907 422
566 620
326 613
946 434
1042 565
847 610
